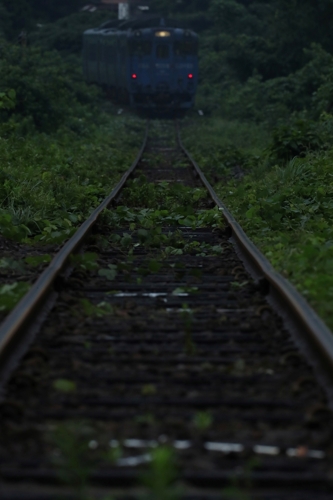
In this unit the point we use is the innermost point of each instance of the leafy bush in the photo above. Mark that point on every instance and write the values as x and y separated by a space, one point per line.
286 209
8 99
295 139
222 144
49 91
270 101
49 184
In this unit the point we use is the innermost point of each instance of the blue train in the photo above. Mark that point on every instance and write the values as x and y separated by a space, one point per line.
147 64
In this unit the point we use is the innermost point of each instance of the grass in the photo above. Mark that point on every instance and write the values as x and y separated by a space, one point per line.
76 455
219 134
50 184
286 209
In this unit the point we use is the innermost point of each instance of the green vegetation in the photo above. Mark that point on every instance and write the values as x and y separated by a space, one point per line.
10 294
50 184
63 385
73 460
62 146
49 94
160 480
76 454
142 225
266 85
285 206
202 421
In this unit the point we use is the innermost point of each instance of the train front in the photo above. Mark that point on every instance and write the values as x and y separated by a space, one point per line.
163 68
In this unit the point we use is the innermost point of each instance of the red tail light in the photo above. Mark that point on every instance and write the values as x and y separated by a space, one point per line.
134 76
190 76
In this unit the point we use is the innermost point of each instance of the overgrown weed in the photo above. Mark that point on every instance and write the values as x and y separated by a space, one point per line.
51 186
285 206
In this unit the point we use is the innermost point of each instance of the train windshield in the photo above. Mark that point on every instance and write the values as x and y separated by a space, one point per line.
141 48
185 48
162 51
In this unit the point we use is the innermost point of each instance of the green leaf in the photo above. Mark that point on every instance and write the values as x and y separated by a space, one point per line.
11 264
143 233
110 273
64 385
87 261
11 294
126 240
154 266
91 310
12 94
251 213
36 260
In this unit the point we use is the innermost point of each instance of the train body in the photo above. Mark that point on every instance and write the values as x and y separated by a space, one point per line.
152 67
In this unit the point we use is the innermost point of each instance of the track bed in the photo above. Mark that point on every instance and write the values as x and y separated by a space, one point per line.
176 351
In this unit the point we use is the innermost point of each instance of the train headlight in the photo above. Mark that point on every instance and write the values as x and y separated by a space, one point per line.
163 34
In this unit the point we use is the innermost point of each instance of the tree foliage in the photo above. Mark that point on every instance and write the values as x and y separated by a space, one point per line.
49 90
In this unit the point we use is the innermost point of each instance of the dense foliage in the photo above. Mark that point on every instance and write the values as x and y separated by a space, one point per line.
284 205
49 90
60 142
50 184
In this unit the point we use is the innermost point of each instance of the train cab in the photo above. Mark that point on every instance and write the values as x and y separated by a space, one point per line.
163 67
149 67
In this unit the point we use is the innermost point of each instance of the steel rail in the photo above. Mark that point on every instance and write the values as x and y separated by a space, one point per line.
23 315
290 301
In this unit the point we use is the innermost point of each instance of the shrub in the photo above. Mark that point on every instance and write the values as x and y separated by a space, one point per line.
295 139
49 90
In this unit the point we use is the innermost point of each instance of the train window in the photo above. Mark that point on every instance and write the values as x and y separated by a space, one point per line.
162 51
141 48
188 48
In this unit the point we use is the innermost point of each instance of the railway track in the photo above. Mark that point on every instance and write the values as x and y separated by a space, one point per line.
166 341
